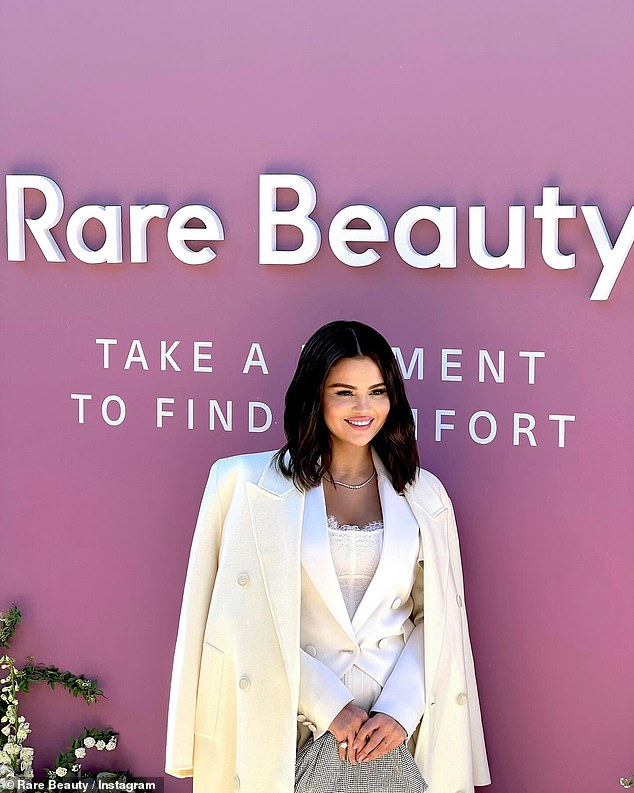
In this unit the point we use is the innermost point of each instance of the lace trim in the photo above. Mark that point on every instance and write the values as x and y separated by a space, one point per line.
373 525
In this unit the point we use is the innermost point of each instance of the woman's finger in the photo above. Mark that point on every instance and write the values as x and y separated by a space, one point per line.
360 742
344 746
376 739
383 748
356 746
362 736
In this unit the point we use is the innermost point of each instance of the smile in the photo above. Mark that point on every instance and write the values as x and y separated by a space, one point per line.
361 423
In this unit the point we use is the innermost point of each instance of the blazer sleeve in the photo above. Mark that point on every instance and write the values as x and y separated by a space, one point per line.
201 574
321 693
403 694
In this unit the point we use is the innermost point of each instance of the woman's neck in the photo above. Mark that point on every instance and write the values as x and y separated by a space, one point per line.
351 463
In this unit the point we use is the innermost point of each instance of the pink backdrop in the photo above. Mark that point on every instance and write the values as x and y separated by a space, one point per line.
391 105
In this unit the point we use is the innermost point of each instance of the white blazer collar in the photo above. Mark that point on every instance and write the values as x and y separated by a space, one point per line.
421 492
274 481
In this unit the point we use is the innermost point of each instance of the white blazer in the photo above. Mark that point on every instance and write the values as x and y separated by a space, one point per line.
381 638
235 688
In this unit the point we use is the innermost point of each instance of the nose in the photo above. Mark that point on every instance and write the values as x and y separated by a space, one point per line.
361 402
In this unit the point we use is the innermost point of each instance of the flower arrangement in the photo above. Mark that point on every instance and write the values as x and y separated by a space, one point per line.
16 760
627 781
68 761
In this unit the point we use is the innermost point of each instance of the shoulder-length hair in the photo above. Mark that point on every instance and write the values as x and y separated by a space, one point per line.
307 436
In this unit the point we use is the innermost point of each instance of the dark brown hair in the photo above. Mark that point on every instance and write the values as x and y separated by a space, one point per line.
307 437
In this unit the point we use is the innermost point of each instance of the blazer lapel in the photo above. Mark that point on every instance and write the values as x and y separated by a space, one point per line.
317 557
400 531
276 508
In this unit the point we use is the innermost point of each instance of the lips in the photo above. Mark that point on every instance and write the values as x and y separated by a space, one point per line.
360 423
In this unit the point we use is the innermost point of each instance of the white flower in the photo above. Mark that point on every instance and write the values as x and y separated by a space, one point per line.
100 745
89 742
77 767
111 745
6 730
12 748
61 771
4 757
26 752
80 752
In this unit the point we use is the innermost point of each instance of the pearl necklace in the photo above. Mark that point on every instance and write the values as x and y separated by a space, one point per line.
355 487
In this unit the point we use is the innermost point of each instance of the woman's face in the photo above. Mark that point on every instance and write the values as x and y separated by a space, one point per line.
355 403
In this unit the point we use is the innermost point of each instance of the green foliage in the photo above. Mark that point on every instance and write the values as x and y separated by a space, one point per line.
8 624
77 685
67 763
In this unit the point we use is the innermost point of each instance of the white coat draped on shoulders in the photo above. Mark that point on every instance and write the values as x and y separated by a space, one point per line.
234 697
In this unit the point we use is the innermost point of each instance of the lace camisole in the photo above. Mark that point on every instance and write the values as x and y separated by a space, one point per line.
356 551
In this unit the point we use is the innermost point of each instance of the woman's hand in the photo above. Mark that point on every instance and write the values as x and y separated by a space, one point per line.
377 736
346 725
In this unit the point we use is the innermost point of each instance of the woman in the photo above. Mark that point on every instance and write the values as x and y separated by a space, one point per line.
303 605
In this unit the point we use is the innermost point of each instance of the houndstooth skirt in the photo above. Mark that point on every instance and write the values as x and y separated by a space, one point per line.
319 769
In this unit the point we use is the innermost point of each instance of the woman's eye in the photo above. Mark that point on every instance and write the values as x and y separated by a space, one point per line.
343 393
379 391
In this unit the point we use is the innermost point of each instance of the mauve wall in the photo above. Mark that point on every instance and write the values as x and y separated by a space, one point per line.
392 105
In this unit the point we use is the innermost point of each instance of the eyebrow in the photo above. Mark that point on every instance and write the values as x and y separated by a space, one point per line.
345 385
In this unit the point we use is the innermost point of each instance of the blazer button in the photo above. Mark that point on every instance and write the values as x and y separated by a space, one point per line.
461 698
244 683
459 601
397 603
301 718
243 579
381 643
310 650
236 782
312 727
